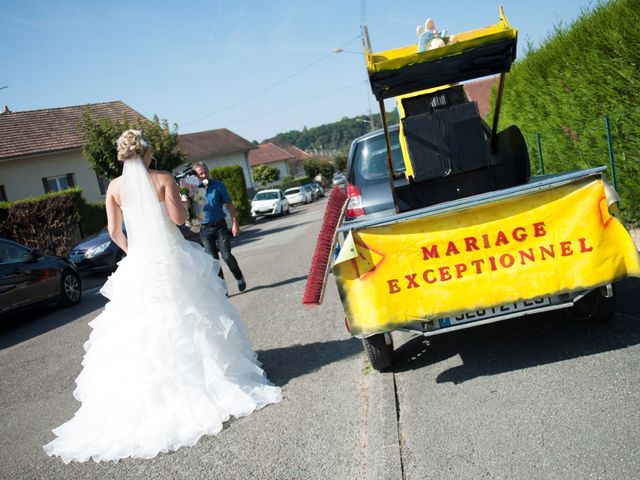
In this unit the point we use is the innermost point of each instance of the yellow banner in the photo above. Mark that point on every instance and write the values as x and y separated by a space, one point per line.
556 241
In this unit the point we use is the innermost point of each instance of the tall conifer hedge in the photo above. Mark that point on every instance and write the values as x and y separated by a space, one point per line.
563 89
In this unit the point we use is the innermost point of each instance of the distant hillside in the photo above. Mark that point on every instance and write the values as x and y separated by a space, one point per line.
331 137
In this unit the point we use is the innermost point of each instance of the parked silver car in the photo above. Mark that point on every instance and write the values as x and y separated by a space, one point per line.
318 189
339 179
312 191
367 179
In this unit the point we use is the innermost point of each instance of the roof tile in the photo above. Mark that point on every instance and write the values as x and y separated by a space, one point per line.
298 153
480 92
268 153
53 129
213 142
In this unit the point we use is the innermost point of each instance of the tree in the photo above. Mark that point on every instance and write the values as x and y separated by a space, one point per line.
311 167
340 161
101 134
265 174
327 169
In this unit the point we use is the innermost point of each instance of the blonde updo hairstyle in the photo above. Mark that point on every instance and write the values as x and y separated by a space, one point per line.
132 143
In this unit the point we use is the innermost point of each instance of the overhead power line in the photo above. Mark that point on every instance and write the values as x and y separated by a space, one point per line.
304 102
270 87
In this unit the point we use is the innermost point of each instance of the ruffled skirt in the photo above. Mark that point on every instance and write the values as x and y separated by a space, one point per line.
166 362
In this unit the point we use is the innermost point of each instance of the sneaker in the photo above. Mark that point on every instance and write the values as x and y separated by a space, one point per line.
242 286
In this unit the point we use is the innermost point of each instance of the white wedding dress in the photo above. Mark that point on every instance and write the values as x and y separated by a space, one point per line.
168 359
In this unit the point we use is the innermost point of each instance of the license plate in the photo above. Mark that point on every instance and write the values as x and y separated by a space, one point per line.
509 308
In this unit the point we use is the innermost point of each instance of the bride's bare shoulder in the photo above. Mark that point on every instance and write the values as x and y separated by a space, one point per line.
113 190
114 185
161 175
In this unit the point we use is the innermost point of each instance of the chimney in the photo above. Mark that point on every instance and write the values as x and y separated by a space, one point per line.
6 111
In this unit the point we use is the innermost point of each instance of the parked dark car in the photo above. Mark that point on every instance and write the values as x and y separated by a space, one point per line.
96 253
27 277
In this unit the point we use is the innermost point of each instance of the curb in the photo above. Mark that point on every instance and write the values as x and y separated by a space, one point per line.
383 445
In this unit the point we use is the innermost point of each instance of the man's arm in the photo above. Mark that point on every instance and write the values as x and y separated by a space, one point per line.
226 198
235 226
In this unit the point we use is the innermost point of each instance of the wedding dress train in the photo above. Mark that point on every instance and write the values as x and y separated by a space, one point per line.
168 359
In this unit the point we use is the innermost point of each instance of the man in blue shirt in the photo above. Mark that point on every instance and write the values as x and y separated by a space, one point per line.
213 229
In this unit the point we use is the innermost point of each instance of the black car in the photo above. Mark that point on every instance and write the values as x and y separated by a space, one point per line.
27 277
96 253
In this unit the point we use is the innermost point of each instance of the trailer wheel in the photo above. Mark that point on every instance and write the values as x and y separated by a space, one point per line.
595 307
379 349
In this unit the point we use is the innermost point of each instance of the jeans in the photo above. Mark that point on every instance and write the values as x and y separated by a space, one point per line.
216 241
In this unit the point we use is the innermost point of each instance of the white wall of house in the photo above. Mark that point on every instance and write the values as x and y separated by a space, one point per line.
215 161
280 165
22 177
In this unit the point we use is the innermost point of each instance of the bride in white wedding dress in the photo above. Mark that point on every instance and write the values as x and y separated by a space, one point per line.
168 360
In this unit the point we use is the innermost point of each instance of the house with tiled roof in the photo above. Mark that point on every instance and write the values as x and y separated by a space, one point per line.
41 150
276 157
479 92
218 148
300 155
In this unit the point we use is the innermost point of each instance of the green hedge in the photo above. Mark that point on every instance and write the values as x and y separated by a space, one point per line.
48 222
563 89
53 222
233 178
93 217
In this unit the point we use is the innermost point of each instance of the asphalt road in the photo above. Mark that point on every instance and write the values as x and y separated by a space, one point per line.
538 398
318 431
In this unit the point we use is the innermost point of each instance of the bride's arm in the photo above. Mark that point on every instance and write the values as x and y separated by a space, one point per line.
175 208
114 217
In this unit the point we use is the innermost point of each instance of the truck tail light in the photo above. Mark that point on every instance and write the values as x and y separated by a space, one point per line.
354 207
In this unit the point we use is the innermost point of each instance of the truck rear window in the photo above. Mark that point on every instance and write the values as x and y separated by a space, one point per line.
370 159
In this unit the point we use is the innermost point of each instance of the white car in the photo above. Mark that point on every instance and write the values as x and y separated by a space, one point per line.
269 202
297 195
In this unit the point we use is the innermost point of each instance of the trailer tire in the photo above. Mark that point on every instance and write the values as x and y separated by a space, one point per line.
595 307
379 352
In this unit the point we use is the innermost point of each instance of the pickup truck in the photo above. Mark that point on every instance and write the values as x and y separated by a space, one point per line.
445 228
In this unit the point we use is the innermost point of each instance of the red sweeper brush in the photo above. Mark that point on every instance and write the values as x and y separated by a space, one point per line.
319 269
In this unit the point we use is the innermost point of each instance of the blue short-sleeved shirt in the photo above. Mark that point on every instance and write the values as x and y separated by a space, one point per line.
216 197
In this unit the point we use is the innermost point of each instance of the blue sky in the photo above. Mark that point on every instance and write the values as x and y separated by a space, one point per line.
256 67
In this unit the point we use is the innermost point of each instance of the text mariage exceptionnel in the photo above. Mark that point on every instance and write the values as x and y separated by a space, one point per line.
491 263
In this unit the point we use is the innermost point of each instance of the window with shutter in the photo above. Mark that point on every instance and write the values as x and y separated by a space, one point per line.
58 183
